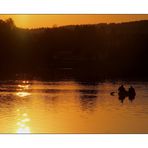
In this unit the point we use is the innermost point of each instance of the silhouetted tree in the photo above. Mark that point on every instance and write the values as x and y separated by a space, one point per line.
91 52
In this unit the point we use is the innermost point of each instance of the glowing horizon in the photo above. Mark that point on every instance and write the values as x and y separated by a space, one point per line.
37 21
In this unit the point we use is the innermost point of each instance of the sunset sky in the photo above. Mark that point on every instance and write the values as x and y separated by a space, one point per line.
35 21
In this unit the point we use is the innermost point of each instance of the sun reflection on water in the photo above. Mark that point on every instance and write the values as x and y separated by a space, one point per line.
23 89
22 94
23 86
23 123
23 118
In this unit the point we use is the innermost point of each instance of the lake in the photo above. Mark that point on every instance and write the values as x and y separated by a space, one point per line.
71 107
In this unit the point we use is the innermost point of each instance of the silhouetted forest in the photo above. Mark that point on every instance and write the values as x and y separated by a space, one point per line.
99 51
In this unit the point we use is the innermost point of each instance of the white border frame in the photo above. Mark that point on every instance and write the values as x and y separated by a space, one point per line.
73 141
73 6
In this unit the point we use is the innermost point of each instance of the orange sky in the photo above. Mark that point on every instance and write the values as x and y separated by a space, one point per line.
35 21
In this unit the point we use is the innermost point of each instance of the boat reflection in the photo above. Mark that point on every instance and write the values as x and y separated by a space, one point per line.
122 98
131 97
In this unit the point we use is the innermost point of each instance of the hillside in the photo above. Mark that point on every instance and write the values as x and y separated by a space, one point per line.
99 51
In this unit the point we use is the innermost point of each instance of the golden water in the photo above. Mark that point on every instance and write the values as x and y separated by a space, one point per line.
71 107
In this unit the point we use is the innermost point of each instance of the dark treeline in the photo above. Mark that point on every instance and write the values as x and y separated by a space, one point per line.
78 51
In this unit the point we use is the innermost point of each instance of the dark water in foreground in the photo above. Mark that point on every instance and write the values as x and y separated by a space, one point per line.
71 107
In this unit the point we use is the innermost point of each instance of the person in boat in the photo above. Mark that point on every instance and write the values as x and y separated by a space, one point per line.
131 94
131 91
122 90
122 93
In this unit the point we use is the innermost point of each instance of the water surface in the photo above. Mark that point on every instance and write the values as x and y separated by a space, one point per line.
71 107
